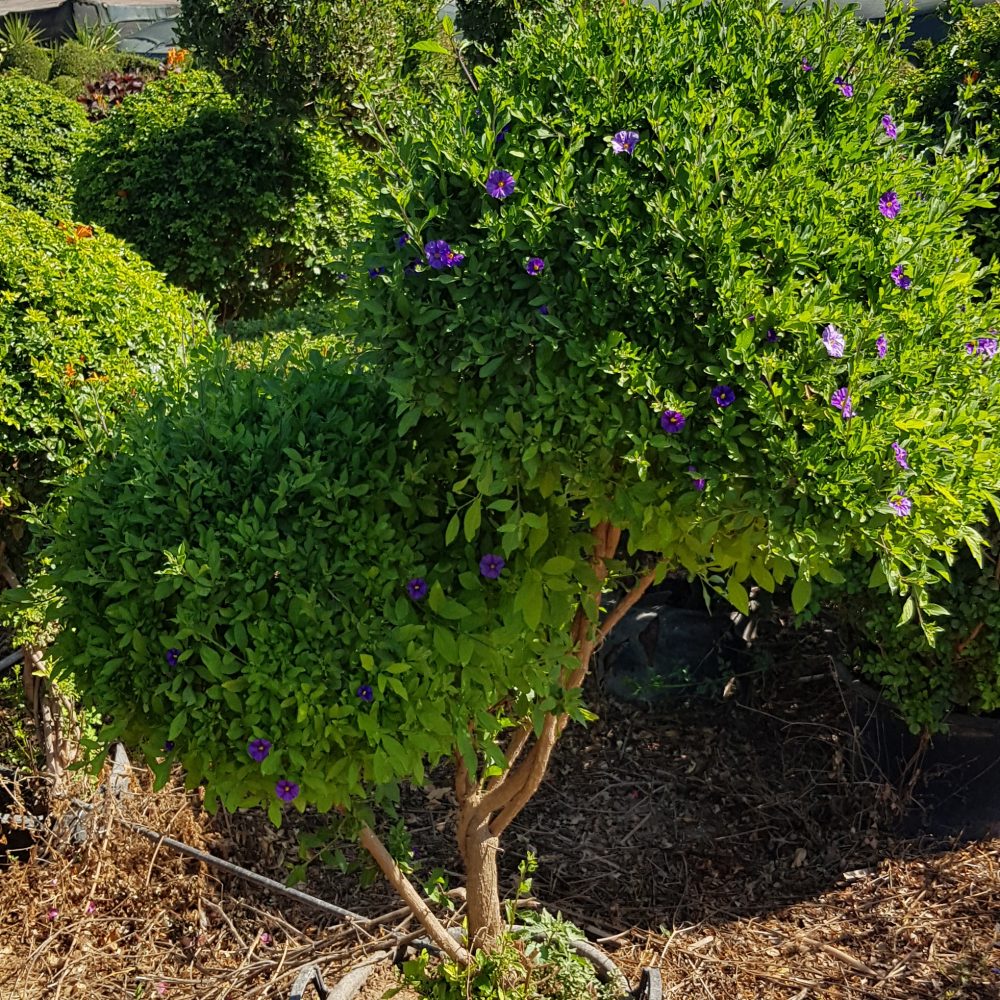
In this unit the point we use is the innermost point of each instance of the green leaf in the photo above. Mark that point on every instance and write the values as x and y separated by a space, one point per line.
801 593
557 565
737 595
529 600
473 518
430 46
451 532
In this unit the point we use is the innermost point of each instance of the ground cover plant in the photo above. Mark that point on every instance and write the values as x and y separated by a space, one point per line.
611 346
41 132
253 215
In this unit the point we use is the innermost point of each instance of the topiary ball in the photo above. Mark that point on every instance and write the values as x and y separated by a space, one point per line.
41 133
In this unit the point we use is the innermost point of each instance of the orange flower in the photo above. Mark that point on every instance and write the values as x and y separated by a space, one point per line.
176 57
84 232
70 372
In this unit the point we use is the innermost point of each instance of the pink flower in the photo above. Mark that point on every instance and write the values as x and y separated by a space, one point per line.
161 989
90 908
265 938
53 913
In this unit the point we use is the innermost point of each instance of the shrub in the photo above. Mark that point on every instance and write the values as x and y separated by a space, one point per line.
83 62
68 86
680 279
248 567
83 324
31 60
317 327
489 23
249 214
959 86
41 133
299 56
960 672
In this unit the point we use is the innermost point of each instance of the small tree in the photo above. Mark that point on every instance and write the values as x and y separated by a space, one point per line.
663 293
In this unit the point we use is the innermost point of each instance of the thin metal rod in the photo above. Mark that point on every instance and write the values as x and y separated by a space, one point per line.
249 876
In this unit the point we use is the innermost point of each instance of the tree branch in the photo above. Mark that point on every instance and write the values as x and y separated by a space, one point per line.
417 904
623 607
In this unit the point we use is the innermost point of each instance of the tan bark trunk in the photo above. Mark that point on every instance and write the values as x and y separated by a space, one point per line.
482 888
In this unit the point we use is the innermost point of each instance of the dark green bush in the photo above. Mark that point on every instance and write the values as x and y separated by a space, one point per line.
300 56
251 214
31 60
489 23
41 133
84 323
959 83
68 86
83 62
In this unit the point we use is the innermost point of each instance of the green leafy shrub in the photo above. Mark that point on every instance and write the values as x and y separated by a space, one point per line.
41 133
298 56
489 23
84 62
958 86
83 324
681 326
68 86
274 519
638 353
252 215
31 60
317 327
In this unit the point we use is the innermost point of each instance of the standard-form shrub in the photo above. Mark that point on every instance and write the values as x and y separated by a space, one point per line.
41 133
299 56
251 214
83 324
664 292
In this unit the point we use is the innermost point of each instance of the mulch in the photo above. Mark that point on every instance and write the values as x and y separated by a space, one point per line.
737 841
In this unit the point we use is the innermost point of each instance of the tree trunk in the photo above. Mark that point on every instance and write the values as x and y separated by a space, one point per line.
482 888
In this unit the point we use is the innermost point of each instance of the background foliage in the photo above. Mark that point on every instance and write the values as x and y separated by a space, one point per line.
684 270
299 57
226 203
84 324
41 133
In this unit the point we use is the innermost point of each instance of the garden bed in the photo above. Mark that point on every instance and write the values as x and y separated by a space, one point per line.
726 842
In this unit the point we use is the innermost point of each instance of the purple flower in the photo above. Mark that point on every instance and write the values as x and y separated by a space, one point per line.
624 141
890 126
752 318
491 566
168 746
845 88
440 255
771 336
544 310
901 505
259 749
901 457
672 421
833 341
502 134
286 790
402 239
881 346
172 656
411 269
697 482
724 396
841 400
888 204
416 588
901 279
374 272
500 184
806 68
365 693
987 346
534 266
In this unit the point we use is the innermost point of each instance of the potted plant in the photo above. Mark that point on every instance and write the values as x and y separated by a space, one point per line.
660 292
931 709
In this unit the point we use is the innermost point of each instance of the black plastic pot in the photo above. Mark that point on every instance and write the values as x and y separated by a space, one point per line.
22 817
954 776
